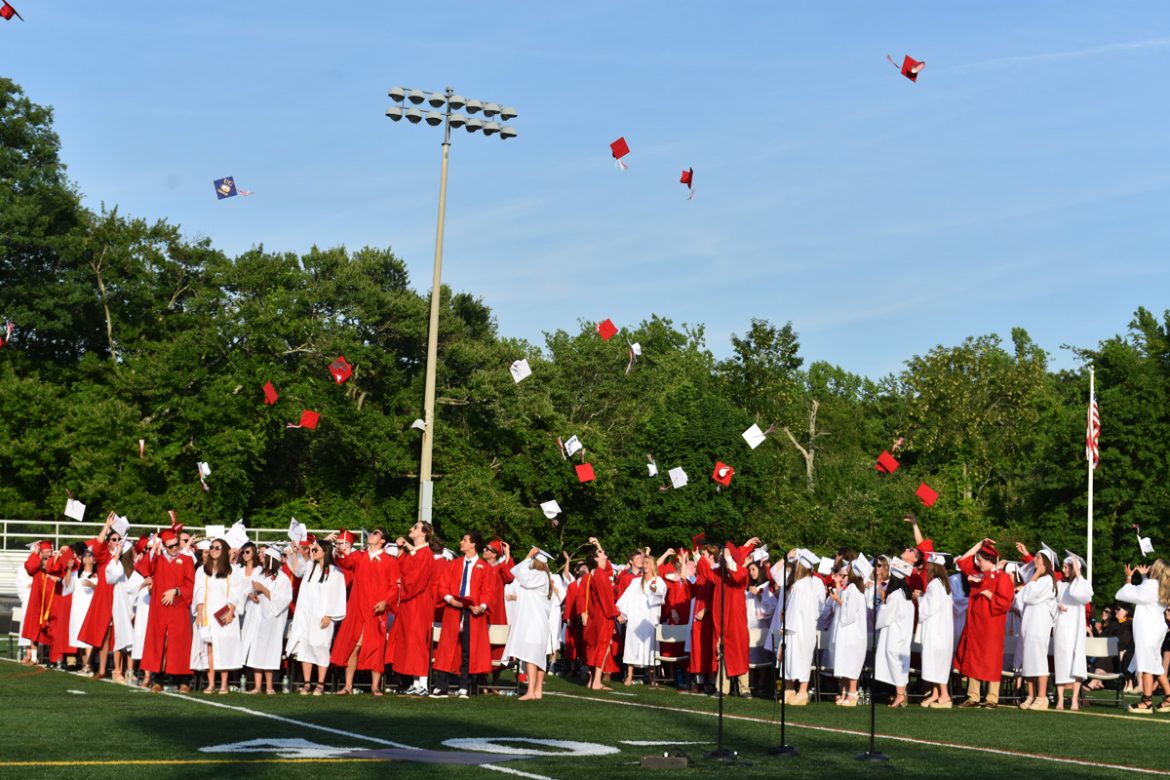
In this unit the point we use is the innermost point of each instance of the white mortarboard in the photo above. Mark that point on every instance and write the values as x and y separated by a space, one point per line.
120 526
1145 545
541 555
807 557
448 554
126 546
419 423
214 531
652 469
520 370
862 567
204 469
760 553
825 566
1053 558
572 446
1026 571
753 436
550 508
203 544
1069 555
1011 567
678 477
237 537
392 549
937 557
272 551
297 533
900 569
75 509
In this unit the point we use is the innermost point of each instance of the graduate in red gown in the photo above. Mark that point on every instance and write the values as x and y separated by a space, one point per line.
703 662
573 650
361 641
729 616
464 646
676 609
61 568
40 599
98 629
409 649
168 627
598 616
498 555
979 656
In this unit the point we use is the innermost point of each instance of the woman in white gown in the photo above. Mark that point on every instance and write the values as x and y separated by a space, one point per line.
263 635
1037 602
1152 599
806 598
895 632
1069 664
219 598
122 611
936 619
528 637
640 605
320 604
84 582
849 628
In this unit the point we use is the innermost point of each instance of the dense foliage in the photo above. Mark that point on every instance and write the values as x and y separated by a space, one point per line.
126 331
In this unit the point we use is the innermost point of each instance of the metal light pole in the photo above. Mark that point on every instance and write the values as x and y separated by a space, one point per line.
449 102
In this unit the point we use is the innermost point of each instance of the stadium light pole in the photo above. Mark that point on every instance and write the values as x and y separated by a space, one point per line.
443 107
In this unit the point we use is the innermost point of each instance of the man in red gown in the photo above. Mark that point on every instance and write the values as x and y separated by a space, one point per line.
498 555
168 628
979 656
729 616
40 598
573 653
410 646
361 641
703 663
464 646
60 568
676 610
598 616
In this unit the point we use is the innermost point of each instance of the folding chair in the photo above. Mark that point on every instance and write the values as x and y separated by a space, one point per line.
498 637
663 633
1105 647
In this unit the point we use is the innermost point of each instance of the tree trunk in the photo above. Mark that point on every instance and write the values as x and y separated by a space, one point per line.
808 454
97 269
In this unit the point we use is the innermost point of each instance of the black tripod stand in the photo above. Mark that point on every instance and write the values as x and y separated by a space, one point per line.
783 749
721 753
872 755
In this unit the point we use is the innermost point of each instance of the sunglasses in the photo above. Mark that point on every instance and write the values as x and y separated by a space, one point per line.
217 547
172 546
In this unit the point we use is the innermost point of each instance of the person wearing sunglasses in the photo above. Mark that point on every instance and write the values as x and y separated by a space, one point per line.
219 598
168 629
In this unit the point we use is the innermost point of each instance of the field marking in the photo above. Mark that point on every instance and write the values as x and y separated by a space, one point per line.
173 761
891 737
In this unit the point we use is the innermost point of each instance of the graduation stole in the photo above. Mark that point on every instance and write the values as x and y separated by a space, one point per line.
46 600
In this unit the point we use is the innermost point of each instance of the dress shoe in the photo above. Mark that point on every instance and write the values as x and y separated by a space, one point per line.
970 704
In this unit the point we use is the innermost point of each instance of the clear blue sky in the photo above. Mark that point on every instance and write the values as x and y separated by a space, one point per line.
1023 181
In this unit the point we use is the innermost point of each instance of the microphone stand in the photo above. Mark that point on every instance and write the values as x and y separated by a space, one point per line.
872 755
721 753
783 749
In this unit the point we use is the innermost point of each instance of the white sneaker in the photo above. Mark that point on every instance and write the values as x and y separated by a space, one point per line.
463 693
413 691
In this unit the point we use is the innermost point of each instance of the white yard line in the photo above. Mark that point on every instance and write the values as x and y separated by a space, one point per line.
884 737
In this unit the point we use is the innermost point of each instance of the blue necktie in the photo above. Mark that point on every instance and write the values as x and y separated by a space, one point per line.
466 574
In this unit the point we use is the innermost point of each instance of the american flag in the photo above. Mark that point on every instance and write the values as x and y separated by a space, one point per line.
1093 433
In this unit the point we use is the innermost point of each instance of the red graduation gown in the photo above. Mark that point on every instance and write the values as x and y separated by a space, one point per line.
730 614
702 629
374 580
58 568
497 611
449 654
409 649
573 647
168 628
100 617
980 651
40 602
601 609
678 602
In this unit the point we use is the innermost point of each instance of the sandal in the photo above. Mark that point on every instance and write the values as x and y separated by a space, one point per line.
304 691
343 692
319 690
1145 706
1164 705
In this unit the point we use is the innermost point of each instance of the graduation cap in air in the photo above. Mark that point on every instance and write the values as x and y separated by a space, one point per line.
886 463
585 472
7 337
635 353
678 477
862 567
237 535
620 149
520 370
606 329
910 67
74 509
651 467
722 473
120 526
7 12
204 473
572 446
340 370
688 178
142 449
551 509
214 531
900 569
698 540
926 494
1144 544
226 188
270 395
754 436
309 420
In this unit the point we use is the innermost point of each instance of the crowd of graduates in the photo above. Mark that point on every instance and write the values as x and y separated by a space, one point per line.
174 609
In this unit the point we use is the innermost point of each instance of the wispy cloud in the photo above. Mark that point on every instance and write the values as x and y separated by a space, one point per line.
1092 51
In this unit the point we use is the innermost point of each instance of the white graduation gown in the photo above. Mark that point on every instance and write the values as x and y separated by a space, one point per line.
122 609
23 590
760 607
641 603
141 614
1038 610
1149 626
316 600
263 633
936 619
1068 635
895 627
528 638
82 596
776 622
805 600
556 613
214 593
849 633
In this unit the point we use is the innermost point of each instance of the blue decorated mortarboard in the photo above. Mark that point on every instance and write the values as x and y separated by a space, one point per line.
225 187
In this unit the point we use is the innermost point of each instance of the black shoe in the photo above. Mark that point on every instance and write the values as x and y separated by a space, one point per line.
438 693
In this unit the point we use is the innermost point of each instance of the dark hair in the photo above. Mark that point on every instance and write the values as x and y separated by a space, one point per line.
894 584
936 571
326 560
428 532
224 567
269 565
378 529
79 548
477 539
847 554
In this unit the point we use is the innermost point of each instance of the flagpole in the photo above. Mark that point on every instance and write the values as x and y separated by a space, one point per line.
1089 462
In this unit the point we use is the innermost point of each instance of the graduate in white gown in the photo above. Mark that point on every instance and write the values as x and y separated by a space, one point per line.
849 627
122 611
806 598
895 632
779 574
937 625
320 603
1068 635
267 614
137 587
84 582
528 638
1152 598
1037 604
219 598
641 604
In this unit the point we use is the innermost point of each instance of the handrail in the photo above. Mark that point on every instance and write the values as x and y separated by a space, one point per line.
19 534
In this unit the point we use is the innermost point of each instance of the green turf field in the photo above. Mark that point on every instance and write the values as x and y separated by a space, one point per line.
98 729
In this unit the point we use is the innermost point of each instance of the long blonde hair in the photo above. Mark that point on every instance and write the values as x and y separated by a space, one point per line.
1160 571
540 565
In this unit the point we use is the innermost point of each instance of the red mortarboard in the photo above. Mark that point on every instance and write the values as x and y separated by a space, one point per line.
270 395
926 495
340 370
585 472
308 540
309 420
140 545
45 545
886 463
620 149
722 473
688 177
607 329
167 535
910 67
989 550
698 541
737 554
345 536
8 12
497 545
